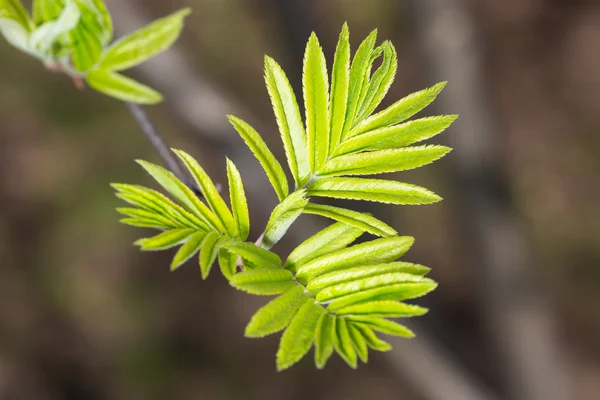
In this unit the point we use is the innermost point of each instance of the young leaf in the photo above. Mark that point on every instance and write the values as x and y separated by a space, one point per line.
210 192
399 111
263 281
289 121
356 273
283 216
122 88
358 75
208 252
227 263
343 342
237 197
145 43
380 82
46 10
368 253
103 18
85 44
258 256
381 161
164 240
383 308
277 314
379 190
331 293
334 237
363 221
182 193
263 154
298 338
369 336
16 35
148 215
187 251
400 291
316 99
156 202
397 136
44 37
142 223
340 78
385 326
359 343
324 338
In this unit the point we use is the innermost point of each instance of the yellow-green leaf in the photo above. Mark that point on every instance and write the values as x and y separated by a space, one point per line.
122 88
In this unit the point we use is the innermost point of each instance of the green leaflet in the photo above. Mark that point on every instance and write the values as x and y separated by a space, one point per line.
44 37
368 253
298 338
227 263
334 237
358 75
380 82
209 249
86 44
340 78
359 343
164 240
257 256
122 88
289 121
263 281
385 326
188 250
381 161
263 154
370 338
237 196
324 339
156 202
400 291
16 35
142 223
277 314
103 18
283 216
397 136
331 293
399 111
46 10
182 193
145 43
356 273
343 342
315 85
379 190
363 221
210 192
383 308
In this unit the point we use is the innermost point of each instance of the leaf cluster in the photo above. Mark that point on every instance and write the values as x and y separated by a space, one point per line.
75 37
333 293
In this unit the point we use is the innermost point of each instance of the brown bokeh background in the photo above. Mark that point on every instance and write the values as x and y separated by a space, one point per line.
515 245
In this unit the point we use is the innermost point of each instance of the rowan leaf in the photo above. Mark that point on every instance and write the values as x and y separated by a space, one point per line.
188 250
340 78
268 161
289 121
263 281
209 251
399 111
359 343
239 204
259 257
122 88
343 342
363 221
379 190
400 291
298 338
324 339
383 308
384 326
277 314
164 240
371 338
227 263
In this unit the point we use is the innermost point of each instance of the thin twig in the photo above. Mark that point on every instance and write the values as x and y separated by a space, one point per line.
159 145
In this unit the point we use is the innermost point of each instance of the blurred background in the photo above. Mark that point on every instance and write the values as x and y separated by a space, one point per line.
515 245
